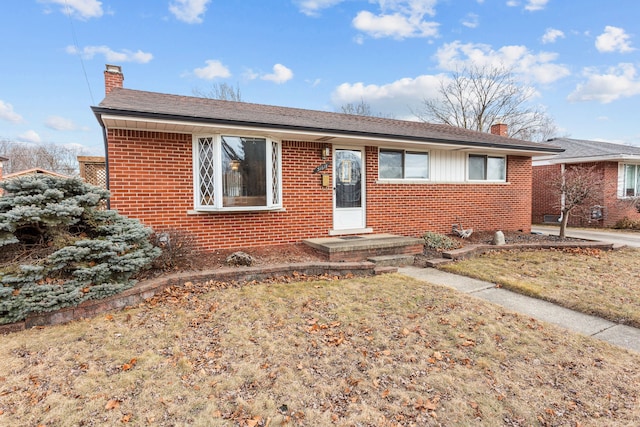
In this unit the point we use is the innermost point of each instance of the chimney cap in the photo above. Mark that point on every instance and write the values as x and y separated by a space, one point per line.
113 69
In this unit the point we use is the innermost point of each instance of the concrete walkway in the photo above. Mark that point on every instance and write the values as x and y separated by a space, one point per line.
620 335
628 238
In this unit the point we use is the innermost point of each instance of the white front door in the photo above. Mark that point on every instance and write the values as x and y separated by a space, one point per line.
348 183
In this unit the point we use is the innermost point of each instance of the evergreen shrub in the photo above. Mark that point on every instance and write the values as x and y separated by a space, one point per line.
60 247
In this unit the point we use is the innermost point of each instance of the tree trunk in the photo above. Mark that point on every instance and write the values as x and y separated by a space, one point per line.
563 223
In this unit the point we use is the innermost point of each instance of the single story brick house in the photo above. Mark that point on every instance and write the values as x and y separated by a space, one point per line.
236 174
619 166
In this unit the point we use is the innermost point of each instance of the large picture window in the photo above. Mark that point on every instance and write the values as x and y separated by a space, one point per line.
400 164
236 173
487 168
631 181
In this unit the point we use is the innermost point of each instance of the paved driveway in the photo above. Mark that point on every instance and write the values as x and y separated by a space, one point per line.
628 238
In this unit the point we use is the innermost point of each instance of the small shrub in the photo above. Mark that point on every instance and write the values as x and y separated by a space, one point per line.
178 250
440 242
627 224
60 248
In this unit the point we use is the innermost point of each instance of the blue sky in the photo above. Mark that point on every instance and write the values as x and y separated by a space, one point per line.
581 57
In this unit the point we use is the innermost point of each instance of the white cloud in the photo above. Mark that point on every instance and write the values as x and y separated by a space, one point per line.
613 39
397 98
81 9
189 11
399 19
212 70
30 136
617 82
533 5
88 52
551 35
7 113
536 67
313 7
280 74
59 123
471 20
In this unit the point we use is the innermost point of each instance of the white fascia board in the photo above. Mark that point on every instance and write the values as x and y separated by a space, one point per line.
163 125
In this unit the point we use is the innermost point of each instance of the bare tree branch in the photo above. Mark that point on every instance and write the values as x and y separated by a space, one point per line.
52 157
478 97
222 91
577 190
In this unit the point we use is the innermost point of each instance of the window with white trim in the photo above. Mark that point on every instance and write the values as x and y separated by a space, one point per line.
236 173
631 181
487 168
401 164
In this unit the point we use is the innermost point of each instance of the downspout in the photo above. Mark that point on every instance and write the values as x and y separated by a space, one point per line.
106 160
562 196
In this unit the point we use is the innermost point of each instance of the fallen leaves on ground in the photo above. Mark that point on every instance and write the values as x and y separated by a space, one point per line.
382 351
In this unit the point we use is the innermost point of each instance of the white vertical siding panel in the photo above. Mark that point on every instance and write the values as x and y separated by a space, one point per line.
448 166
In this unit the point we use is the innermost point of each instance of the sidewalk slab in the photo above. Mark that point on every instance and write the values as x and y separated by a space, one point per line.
620 335
439 277
545 311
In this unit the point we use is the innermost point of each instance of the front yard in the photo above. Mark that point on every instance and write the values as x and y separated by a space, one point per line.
381 351
603 283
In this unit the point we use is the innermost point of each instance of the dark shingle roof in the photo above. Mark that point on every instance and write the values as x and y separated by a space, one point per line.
585 149
127 102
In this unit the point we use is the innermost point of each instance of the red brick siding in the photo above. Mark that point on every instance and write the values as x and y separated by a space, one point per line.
614 208
151 178
543 201
412 209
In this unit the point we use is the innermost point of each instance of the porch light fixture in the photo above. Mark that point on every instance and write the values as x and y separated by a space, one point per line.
234 164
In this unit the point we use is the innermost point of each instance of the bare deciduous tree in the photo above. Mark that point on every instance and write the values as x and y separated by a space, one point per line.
478 97
52 157
577 189
222 91
362 108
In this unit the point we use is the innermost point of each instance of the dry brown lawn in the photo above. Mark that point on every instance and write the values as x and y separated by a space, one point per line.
602 283
381 351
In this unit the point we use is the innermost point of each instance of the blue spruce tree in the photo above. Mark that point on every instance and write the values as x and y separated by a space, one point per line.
59 246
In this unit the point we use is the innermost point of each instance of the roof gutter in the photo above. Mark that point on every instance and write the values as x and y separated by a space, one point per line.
106 153
554 160
99 111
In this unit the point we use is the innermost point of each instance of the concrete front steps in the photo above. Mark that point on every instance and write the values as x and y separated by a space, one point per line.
387 251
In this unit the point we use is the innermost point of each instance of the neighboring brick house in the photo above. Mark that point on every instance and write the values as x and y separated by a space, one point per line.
33 171
236 174
619 166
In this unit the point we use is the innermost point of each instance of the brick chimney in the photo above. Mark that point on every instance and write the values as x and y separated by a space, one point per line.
112 78
499 129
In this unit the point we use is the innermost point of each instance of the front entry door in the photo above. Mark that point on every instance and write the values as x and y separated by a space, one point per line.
348 179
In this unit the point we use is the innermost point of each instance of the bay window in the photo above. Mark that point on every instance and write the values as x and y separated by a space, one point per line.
236 173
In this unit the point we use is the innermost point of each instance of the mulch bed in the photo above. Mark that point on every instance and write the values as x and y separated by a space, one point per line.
299 253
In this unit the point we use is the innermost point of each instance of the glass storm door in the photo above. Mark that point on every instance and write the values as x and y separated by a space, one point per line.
348 177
